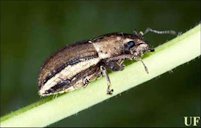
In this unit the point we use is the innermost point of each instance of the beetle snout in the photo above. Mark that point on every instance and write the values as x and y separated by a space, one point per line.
143 48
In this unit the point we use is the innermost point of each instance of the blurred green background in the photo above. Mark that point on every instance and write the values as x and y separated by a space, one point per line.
31 31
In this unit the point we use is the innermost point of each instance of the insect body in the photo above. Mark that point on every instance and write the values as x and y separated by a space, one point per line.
76 65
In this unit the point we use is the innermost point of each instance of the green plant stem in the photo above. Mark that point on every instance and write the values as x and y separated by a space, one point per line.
166 57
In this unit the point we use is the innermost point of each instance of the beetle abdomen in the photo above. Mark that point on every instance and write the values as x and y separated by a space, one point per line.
66 59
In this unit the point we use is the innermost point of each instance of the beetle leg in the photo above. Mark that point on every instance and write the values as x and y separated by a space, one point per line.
90 76
115 65
145 67
85 81
121 57
104 73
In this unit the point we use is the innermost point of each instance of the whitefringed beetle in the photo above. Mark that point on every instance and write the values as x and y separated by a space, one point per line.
76 65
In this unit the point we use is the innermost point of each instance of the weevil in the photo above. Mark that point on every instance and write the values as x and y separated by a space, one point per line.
77 64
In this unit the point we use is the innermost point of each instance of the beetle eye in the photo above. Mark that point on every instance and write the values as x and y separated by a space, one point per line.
128 46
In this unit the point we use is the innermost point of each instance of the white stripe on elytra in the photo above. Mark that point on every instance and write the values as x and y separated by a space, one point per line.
71 88
67 73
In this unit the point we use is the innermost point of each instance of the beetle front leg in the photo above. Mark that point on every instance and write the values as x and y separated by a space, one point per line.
121 57
115 65
129 56
104 73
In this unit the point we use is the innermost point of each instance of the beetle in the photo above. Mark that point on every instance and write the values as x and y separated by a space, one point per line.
77 64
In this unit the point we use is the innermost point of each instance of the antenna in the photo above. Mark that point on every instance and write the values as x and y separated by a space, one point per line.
170 32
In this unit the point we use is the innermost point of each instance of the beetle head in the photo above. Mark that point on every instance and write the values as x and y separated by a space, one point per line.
137 47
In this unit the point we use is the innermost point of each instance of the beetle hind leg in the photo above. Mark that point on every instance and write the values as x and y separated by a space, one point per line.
85 81
90 75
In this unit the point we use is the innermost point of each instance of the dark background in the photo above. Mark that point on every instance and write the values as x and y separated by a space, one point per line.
33 30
